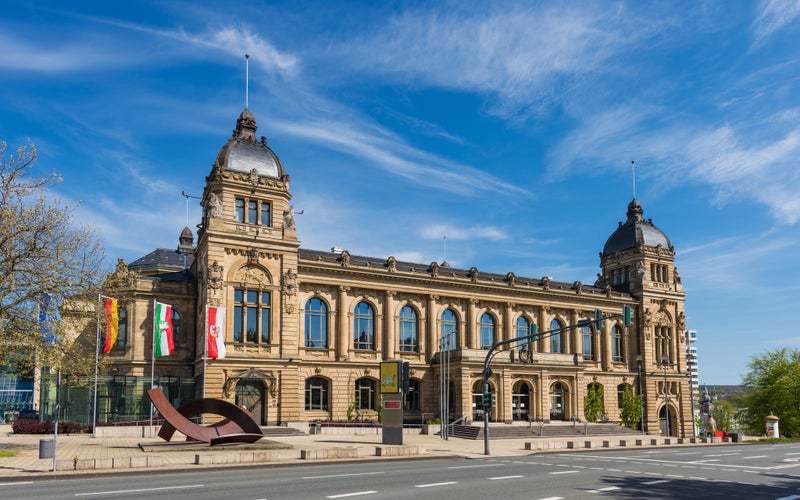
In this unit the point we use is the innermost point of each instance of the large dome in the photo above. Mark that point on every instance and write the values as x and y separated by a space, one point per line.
635 232
243 152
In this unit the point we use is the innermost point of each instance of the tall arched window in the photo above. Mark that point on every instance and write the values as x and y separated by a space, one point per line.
522 328
365 394
364 327
409 341
487 331
176 328
588 342
449 329
617 345
316 319
557 337
316 393
122 331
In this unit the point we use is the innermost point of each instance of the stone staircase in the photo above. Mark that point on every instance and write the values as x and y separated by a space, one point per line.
280 431
475 431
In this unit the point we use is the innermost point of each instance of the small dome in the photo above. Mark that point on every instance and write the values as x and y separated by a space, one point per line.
243 152
636 231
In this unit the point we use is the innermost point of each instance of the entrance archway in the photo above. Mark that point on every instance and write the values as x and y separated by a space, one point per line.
558 401
477 400
250 394
673 421
521 401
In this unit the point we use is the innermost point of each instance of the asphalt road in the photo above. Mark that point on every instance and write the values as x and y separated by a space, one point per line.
736 471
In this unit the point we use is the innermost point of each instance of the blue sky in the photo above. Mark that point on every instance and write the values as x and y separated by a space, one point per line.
508 127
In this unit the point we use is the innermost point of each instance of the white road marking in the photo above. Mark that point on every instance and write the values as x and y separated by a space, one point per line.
474 466
431 485
552 498
675 475
793 497
657 481
565 472
12 484
698 478
343 475
603 490
614 470
354 494
165 488
755 456
793 453
500 478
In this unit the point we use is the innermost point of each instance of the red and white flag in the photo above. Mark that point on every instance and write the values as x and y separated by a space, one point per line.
216 332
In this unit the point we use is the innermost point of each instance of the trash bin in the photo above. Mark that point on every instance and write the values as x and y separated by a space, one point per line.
734 437
47 448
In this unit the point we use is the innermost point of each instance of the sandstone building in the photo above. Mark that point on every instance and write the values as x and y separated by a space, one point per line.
306 329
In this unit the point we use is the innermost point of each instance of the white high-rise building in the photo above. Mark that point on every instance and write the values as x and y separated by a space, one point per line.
691 369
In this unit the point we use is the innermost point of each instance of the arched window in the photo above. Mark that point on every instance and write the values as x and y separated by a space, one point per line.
364 327
617 345
316 393
621 393
556 338
365 394
588 342
487 331
449 329
522 329
122 330
176 328
412 400
316 319
409 340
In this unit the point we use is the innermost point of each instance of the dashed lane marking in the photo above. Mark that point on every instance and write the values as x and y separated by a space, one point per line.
354 494
657 481
603 490
433 485
500 478
566 472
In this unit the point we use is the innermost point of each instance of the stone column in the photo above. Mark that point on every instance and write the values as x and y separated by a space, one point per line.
431 344
342 337
472 334
605 346
576 334
543 344
390 337
508 327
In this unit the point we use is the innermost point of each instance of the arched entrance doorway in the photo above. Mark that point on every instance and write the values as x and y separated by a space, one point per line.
477 400
558 401
521 401
673 421
250 394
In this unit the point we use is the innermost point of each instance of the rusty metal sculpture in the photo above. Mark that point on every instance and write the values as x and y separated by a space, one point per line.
238 425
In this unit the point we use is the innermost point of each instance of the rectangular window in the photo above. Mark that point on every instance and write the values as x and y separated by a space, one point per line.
240 209
251 316
265 214
252 212
122 330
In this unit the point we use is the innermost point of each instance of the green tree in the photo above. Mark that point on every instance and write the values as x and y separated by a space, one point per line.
772 386
593 403
725 416
45 261
631 413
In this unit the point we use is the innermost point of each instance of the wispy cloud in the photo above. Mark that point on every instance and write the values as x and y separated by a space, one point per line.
437 231
772 16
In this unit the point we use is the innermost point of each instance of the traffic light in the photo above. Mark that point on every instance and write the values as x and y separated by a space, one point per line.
487 401
598 319
627 313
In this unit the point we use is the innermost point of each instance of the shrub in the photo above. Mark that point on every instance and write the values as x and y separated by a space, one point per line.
32 426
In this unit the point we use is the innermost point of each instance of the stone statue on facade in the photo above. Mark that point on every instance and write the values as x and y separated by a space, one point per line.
215 276
214 206
288 217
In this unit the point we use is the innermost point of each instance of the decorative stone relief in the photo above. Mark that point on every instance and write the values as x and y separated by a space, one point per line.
214 206
254 177
473 274
345 259
511 278
252 275
546 283
391 264
434 269
215 274
288 218
578 287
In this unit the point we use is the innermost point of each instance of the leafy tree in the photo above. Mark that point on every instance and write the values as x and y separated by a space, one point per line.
593 404
772 386
631 408
44 262
725 415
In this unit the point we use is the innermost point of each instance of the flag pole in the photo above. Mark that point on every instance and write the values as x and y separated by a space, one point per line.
153 364
96 358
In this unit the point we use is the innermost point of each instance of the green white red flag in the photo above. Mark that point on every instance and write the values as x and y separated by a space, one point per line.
216 332
164 344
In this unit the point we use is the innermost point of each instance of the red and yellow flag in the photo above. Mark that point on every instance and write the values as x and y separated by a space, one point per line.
112 324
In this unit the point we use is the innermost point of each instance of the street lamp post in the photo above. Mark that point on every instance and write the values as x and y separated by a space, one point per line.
665 364
641 403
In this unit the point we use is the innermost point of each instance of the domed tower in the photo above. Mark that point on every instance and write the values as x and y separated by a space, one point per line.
246 256
639 259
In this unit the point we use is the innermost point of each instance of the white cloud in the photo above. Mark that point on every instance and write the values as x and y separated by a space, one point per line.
772 16
437 231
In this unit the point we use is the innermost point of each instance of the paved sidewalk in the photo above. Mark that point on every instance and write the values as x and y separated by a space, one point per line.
82 453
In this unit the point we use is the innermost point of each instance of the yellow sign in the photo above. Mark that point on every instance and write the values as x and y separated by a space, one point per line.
390 377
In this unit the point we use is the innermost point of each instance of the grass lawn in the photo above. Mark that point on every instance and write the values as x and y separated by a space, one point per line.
4 453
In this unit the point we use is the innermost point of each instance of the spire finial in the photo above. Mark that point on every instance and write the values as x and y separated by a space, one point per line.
633 176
